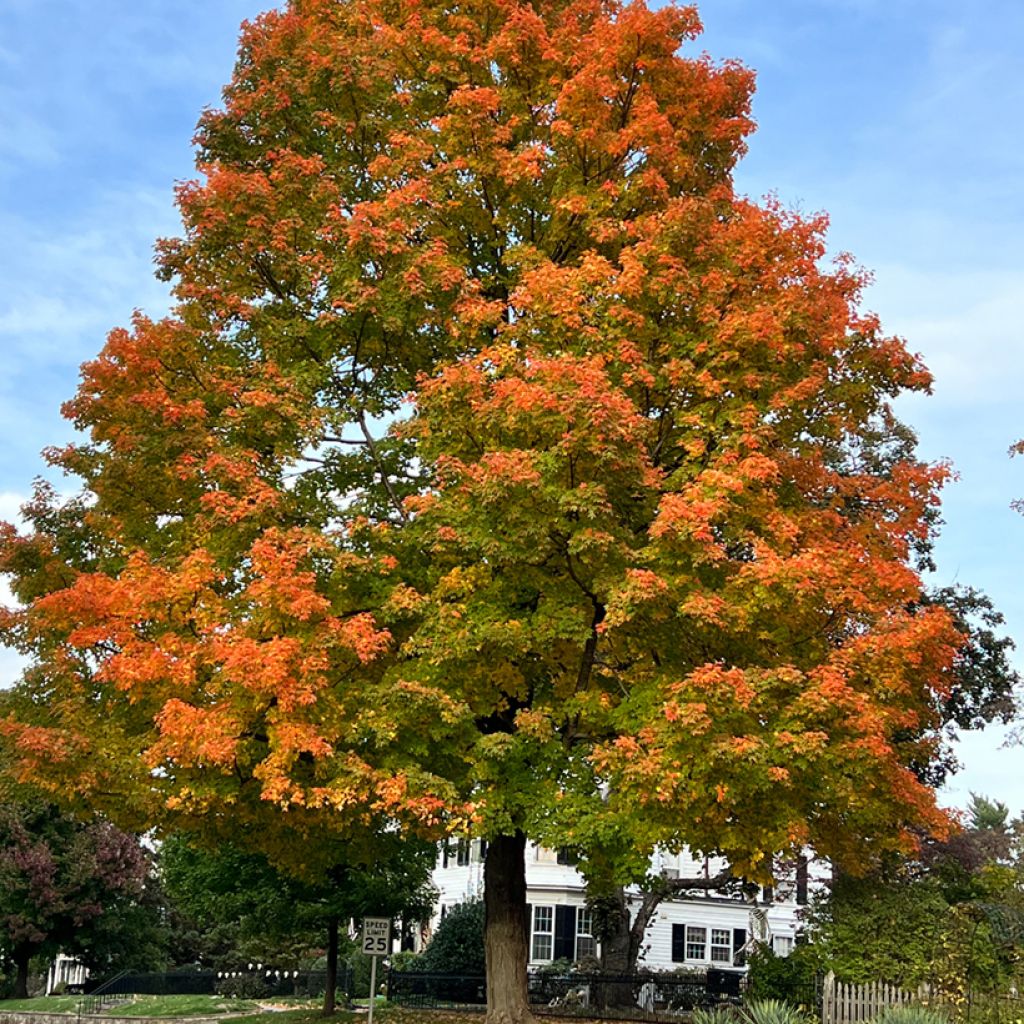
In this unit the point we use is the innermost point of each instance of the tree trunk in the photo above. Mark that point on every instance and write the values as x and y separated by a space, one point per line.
618 951
331 982
21 956
620 948
506 931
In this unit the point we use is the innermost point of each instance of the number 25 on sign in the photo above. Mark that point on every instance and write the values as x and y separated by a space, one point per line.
376 936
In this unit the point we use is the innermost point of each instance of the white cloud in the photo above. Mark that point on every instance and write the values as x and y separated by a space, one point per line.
967 326
10 506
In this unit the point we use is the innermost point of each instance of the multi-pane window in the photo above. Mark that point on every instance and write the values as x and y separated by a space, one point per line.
721 945
696 943
782 944
585 944
543 933
462 853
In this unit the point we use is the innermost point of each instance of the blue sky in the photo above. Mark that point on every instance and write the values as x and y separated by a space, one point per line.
902 118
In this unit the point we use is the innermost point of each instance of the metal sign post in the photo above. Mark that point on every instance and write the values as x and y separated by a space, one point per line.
376 942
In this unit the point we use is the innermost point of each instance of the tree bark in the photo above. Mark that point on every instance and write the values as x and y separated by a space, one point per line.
21 956
622 939
331 981
620 949
506 931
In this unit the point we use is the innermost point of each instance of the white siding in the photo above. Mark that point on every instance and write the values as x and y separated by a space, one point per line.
552 884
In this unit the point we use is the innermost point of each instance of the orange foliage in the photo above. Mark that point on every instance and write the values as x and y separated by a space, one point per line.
499 466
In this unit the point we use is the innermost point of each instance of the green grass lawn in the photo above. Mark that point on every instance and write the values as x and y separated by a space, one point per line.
185 1007
182 1006
139 1006
45 1004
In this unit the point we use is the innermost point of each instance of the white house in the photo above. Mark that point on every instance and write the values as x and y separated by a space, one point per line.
708 930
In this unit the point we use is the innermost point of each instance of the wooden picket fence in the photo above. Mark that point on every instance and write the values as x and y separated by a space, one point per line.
854 1004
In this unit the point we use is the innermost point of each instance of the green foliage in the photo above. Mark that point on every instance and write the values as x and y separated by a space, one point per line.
245 985
458 943
789 978
714 1015
360 965
910 1015
881 928
556 968
233 906
990 815
404 960
771 1011
952 916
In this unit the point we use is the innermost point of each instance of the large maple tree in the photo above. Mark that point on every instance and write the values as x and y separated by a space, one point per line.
500 470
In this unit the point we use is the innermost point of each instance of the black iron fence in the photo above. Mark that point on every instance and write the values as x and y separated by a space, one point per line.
194 983
650 997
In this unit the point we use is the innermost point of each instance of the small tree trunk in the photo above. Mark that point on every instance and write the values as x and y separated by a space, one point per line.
21 956
505 931
331 983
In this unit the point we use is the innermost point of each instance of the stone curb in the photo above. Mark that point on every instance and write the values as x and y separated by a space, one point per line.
38 1017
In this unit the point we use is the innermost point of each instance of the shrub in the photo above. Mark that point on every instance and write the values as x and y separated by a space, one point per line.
556 968
458 944
714 1015
771 1011
910 1015
359 964
244 986
789 978
405 960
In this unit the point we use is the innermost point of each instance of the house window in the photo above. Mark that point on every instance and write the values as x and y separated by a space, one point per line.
462 853
782 944
585 944
567 856
721 946
696 943
543 933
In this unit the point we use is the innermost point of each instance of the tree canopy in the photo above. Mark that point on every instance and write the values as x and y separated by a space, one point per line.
69 886
500 470
951 916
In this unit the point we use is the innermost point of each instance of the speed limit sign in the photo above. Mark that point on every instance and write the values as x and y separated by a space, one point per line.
376 942
376 936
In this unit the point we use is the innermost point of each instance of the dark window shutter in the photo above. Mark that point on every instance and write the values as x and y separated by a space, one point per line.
739 940
565 933
678 943
483 851
801 879
444 854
